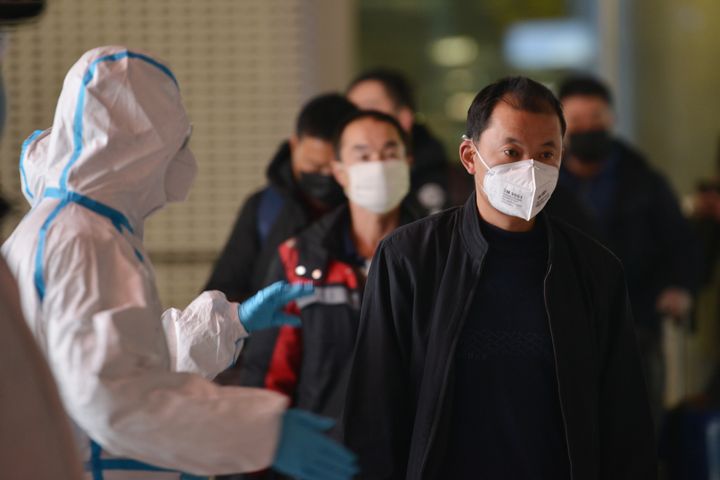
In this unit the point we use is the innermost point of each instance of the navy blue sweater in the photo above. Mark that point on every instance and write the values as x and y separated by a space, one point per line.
506 418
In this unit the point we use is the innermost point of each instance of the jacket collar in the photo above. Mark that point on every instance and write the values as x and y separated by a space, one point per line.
325 239
475 243
472 236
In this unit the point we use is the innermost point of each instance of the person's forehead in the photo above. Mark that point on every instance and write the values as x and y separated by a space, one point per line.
370 130
368 90
509 121
314 144
584 102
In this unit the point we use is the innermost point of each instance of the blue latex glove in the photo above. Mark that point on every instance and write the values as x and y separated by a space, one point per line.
305 452
264 309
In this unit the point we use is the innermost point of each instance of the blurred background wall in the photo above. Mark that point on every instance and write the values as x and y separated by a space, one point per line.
661 57
246 66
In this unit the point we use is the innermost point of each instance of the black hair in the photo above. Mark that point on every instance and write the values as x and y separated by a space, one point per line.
396 85
521 93
320 116
584 85
375 115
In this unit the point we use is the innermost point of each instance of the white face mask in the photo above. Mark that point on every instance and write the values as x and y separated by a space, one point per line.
378 186
520 189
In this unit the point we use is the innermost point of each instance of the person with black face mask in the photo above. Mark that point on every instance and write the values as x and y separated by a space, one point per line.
636 215
300 189
321 188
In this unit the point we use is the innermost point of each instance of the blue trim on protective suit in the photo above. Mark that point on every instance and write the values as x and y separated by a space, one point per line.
23 150
98 465
118 220
78 118
94 464
39 253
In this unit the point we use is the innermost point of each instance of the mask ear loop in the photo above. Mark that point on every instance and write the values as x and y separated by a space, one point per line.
477 152
465 137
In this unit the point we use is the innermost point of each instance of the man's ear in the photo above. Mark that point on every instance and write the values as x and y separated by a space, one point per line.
294 140
406 118
467 156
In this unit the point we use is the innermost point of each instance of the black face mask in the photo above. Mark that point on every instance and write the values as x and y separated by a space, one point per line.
322 188
592 146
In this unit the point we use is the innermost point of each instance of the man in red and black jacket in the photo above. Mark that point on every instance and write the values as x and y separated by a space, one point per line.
310 363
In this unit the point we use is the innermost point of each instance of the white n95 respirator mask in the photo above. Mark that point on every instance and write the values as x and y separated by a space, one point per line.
520 189
378 186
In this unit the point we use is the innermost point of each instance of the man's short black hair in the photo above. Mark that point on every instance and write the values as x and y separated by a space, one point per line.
396 86
320 117
521 93
375 115
584 85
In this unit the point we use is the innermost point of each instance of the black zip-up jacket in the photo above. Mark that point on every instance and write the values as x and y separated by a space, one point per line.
421 285
243 264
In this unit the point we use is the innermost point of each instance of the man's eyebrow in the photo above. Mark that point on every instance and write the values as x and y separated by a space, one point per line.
359 147
549 143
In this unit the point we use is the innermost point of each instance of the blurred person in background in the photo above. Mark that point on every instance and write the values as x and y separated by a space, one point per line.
31 414
689 446
637 216
133 379
310 364
495 341
32 418
388 91
300 189
705 216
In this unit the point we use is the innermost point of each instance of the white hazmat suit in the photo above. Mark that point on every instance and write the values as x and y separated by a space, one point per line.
116 152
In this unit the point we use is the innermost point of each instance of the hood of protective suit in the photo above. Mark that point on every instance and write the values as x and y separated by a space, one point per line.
119 136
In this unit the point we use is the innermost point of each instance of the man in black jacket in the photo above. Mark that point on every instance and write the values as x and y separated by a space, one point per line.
637 217
300 189
494 343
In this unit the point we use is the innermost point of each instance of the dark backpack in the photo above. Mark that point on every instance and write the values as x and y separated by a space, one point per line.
271 203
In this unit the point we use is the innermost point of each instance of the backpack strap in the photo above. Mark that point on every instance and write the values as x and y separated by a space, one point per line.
271 202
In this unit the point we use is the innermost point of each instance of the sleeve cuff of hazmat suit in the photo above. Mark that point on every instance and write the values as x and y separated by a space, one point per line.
205 338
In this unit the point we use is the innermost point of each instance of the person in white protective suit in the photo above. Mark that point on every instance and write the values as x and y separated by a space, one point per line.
32 419
135 380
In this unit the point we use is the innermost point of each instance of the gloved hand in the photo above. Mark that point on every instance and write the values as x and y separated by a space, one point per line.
305 452
264 309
